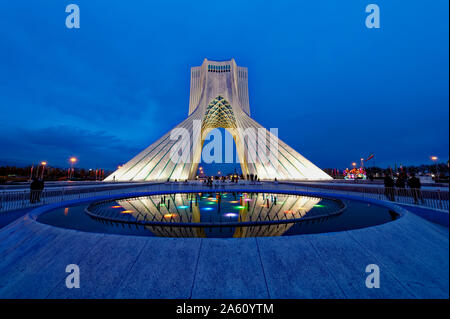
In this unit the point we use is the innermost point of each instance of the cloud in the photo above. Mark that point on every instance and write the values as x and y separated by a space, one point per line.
57 143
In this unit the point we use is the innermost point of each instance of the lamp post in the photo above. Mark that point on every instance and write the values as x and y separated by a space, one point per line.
434 159
31 172
43 164
72 161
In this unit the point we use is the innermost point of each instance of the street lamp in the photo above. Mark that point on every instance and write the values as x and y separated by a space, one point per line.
43 169
434 159
72 161
354 164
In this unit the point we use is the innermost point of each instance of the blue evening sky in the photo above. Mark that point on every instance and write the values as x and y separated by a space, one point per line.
336 90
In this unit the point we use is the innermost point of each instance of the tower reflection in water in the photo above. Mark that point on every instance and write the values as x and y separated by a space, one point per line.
212 211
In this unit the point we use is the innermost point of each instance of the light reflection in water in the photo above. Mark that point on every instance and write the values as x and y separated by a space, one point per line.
212 209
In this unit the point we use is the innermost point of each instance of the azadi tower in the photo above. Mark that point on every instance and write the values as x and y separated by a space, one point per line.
218 98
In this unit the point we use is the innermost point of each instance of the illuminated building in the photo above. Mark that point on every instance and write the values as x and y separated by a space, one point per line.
219 98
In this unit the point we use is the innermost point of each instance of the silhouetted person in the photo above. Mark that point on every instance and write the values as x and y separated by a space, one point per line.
415 185
389 187
34 189
400 183
41 189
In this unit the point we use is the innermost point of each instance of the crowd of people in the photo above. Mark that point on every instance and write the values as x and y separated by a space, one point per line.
398 187
211 180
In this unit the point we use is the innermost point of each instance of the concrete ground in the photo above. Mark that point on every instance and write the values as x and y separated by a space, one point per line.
412 254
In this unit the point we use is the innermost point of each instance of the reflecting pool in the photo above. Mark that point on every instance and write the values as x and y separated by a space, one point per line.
232 214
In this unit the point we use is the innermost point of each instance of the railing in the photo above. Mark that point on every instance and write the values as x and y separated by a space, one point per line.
152 216
14 200
434 199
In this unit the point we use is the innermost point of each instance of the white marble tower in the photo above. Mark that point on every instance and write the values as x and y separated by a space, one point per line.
219 98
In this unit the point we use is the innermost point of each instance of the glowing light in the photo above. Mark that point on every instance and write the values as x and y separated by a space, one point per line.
234 201
43 163
73 159
207 208
354 164
231 215
127 212
318 205
434 158
117 206
169 215
210 203
288 212
183 207
248 200
239 207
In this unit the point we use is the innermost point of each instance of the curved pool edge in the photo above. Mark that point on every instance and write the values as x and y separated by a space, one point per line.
49 207
300 266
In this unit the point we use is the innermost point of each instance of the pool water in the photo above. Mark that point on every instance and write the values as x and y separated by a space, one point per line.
219 215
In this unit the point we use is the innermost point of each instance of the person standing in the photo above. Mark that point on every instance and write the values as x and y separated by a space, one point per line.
34 189
40 189
389 187
415 185
400 183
